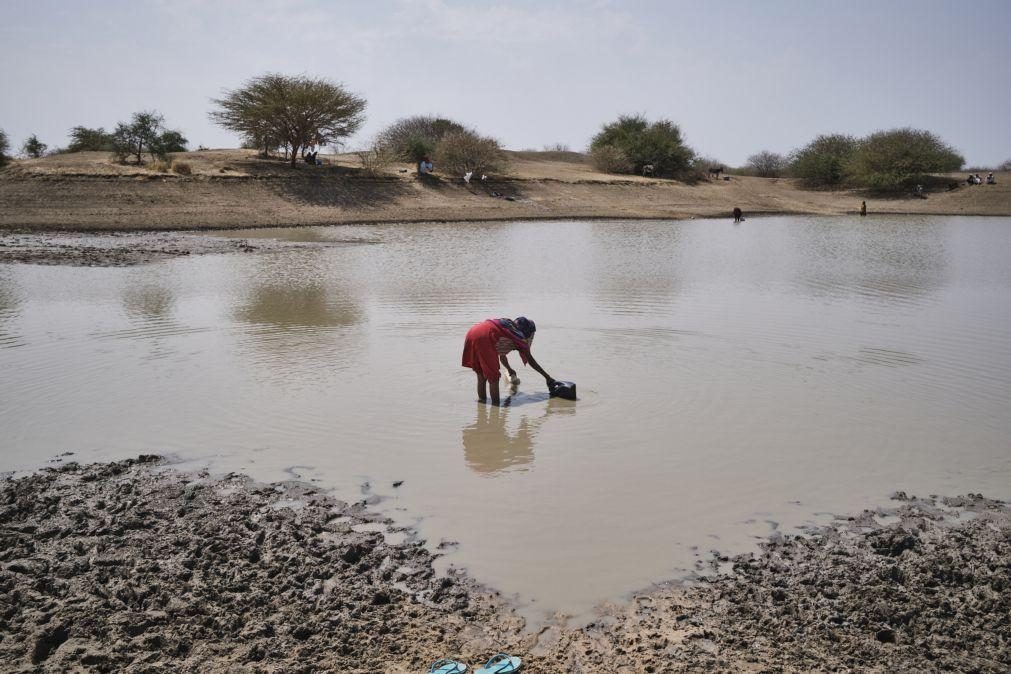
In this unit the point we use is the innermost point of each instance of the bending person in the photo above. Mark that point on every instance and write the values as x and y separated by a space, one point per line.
486 346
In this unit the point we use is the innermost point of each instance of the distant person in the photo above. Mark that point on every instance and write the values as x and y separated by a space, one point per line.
486 346
863 208
971 180
425 166
990 179
979 181
738 215
918 191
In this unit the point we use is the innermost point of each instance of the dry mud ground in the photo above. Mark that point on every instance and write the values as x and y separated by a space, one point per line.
234 189
135 567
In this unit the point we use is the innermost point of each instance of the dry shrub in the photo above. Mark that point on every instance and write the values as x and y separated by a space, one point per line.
160 165
182 168
376 158
461 151
610 159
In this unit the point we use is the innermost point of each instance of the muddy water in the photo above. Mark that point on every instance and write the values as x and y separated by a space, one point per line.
733 379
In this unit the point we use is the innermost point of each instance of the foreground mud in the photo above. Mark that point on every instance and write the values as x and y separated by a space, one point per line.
134 567
124 249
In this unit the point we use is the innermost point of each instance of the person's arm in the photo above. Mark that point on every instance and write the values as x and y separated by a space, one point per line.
505 362
533 364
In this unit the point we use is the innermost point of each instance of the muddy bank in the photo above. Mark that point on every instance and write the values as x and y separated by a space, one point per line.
129 566
121 249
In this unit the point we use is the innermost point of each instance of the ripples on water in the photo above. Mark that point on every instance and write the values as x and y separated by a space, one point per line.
732 378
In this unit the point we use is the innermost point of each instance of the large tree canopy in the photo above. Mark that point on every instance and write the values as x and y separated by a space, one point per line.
297 111
823 161
892 159
5 147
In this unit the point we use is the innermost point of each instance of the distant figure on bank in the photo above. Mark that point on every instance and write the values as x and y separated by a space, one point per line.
990 179
425 166
971 180
486 346
738 214
863 208
918 191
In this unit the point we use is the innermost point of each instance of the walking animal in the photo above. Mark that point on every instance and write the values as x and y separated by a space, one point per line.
715 171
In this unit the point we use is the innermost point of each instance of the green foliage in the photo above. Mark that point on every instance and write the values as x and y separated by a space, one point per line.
767 164
145 132
83 139
298 112
610 159
414 138
658 143
33 147
823 161
172 141
461 151
5 147
889 160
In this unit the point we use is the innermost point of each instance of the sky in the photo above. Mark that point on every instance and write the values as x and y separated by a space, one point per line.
738 77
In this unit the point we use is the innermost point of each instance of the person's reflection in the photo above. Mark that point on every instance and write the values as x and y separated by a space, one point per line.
489 448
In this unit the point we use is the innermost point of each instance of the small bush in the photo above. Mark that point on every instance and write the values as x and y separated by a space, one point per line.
461 151
375 159
557 147
823 161
83 139
610 159
160 165
182 168
33 147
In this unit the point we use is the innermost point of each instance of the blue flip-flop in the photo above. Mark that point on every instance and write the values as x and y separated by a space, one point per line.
447 666
503 663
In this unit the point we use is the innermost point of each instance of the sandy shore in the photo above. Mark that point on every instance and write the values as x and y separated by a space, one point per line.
235 189
132 566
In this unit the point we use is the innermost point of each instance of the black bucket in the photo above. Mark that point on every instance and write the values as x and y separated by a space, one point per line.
563 389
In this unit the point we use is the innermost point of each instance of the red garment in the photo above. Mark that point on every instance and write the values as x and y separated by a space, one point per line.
482 347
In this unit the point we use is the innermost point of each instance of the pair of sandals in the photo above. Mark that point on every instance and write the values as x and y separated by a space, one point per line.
503 663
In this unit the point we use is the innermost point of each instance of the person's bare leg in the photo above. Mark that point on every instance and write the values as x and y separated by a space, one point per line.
493 389
482 395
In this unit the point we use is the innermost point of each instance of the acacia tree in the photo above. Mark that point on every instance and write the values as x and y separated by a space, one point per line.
145 132
298 111
767 164
33 147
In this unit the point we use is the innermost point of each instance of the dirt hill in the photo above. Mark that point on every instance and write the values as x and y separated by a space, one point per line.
235 188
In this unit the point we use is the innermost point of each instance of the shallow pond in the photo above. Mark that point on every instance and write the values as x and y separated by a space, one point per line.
732 379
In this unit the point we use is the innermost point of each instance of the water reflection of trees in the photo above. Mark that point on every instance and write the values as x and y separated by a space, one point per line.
489 447
149 301
293 306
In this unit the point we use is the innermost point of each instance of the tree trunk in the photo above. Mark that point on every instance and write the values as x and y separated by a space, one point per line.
294 154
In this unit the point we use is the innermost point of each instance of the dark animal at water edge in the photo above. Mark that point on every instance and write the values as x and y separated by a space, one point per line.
715 171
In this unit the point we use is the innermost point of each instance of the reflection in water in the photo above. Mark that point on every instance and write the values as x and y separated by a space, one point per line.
640 287
10 300
897 260
489 447
303 306
149 301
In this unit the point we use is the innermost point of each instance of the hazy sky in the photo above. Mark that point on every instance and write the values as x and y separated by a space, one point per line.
738 76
